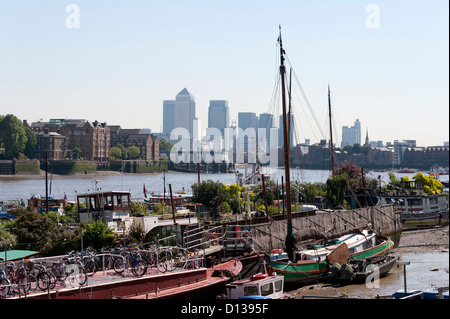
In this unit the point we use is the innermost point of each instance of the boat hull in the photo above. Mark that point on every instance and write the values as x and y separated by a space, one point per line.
305 272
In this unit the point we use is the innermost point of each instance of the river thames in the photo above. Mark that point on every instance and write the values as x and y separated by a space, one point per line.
23 187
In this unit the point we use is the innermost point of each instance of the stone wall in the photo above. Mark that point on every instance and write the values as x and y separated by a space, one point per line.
384 218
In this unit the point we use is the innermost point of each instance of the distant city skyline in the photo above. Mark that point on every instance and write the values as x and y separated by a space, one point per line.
387 62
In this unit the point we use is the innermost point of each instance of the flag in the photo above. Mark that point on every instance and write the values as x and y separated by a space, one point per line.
145 192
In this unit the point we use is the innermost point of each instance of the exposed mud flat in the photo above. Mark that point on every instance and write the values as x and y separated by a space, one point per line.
428 253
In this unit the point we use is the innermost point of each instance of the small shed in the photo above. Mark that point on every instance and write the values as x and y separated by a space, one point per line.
13 255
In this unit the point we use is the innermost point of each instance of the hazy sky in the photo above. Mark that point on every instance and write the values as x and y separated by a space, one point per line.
387 62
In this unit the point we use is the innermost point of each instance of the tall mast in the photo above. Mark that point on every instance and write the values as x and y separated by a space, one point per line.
331 132
290 235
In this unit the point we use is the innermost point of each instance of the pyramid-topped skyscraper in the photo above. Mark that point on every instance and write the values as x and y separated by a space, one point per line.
179 113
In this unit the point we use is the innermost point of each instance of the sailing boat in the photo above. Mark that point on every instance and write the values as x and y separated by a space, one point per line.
313 264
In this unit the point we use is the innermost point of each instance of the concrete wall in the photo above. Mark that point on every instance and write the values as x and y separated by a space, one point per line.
384 218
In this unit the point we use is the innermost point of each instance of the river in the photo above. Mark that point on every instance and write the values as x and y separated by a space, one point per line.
22 187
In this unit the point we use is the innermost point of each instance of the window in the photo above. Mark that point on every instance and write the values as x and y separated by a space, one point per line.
250 291
267 289
278 285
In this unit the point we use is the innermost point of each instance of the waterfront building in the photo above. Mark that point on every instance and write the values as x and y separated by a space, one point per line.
351 135
400 148
50 145
91 138
147 144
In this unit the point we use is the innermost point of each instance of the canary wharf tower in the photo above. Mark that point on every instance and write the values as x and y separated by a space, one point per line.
179 113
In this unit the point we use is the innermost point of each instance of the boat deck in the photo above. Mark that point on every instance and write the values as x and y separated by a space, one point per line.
110 285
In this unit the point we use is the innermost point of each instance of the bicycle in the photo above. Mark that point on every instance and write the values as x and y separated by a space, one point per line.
132 259
70 271
19 277
5 285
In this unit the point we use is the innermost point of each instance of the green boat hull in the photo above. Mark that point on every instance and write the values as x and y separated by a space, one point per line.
312 271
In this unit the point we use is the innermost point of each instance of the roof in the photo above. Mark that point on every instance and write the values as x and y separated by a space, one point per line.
18 254
184 92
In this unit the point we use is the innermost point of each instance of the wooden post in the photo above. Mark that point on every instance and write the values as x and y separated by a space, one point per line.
172 204
265 195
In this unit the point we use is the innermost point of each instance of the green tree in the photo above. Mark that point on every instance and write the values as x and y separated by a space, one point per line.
430 184
76 153
7 239
133 152
96 234
211 194
13 136
115 153
165 145
30 146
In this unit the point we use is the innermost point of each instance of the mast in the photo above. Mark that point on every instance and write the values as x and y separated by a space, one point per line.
290 243
331 133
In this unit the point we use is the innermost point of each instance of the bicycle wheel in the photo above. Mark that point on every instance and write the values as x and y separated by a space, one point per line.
161 264
58 271
90 267
43 281
138 267
33 282
23 283
118 265
81 276
5 287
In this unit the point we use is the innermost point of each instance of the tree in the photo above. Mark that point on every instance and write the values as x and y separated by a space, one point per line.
13 136
97 234
76 152
165 145
30 146
115 153
133 152
211 194
430 184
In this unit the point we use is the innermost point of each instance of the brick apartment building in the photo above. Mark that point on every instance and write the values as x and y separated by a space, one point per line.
147 144
92 138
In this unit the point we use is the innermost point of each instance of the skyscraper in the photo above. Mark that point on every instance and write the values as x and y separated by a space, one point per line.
248 120
218 115
280 132
351 135
179 113
168 116
266 121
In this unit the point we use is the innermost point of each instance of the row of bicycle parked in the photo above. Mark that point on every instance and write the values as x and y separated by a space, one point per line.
73 269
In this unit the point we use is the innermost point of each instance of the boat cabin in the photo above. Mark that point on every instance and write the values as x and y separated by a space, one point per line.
39 204
112 207
259 285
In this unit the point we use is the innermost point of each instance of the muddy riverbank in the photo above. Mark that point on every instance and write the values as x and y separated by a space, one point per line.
428 253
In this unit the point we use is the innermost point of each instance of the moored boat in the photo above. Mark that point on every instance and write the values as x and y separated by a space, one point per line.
304 271
258 286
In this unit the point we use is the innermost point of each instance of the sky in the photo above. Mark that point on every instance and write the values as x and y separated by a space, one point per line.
386 62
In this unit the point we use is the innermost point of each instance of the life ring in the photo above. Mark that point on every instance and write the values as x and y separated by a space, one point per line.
258 276
213 239
277 251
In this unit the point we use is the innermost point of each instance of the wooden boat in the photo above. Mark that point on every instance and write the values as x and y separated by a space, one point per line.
304 271
258 286
359 270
